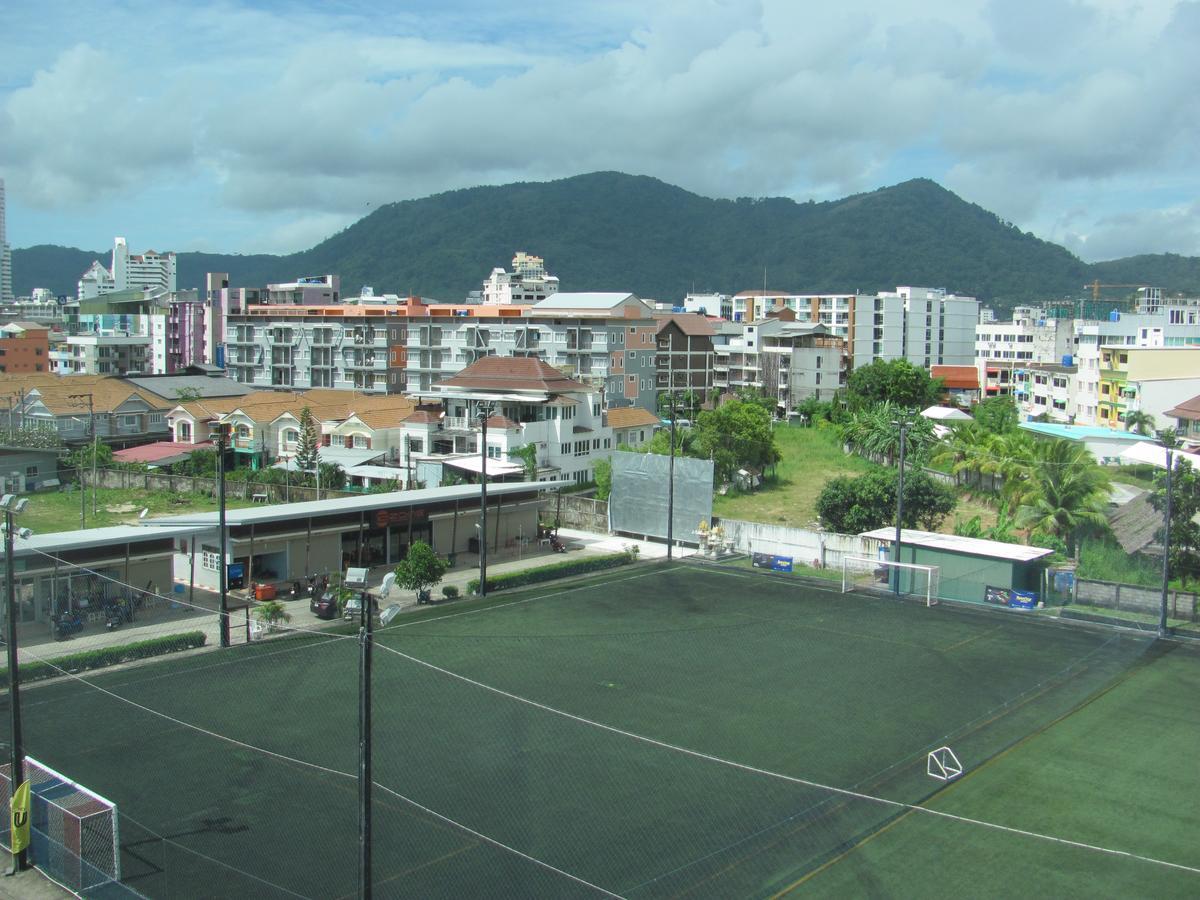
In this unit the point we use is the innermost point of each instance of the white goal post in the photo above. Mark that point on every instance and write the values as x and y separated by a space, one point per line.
868 573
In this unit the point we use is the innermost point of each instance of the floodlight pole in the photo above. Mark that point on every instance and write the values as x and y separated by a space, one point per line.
1166 567
366 640
484 411
899 508
671 486
223 537
17 752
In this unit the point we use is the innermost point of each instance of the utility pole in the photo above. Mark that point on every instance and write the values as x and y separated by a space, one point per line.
899 508
92 428
223 538
484 411
1166 566
13 506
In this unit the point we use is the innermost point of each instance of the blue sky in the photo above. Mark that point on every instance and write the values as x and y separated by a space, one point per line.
265 127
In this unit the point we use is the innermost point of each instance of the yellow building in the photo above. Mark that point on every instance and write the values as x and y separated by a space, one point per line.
1128 374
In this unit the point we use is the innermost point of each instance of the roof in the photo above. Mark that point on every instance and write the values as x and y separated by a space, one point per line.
108 392
495 467
335 506
631 417
1135 524
1188 409
585 300
346 457
691 324
1083 432
1156 455
952 543
957 376
946 414
326 404
369 471
511 373
169 386
159 453
59 542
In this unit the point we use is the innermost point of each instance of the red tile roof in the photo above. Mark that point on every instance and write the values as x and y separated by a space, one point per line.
631 417
957 376
1188 409
512 373
159 452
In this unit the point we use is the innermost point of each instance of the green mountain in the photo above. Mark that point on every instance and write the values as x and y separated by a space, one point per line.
609 231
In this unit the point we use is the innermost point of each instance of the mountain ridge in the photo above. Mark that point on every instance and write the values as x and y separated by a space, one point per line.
612 231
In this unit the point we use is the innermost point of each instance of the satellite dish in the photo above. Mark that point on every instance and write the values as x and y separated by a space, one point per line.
385 589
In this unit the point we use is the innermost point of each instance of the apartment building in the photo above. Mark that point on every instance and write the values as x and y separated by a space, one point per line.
150 270
926 326
1150 380
715 306
606 339
788 360
684 359
527 283
1046 389
527 403
1033 336
24 347
835 311
6 288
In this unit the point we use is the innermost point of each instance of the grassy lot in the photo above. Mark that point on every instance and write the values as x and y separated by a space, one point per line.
59 511
811 456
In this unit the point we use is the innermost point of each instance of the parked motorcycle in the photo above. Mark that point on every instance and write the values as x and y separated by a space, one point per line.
557 546
67 624
114 615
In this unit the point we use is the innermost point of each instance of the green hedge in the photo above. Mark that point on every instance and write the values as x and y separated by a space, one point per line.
107 656
554 570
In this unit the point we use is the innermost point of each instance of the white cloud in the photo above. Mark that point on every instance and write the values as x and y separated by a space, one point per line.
1053 113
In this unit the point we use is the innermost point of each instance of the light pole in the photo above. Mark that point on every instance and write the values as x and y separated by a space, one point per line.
92 428
13 506
483 412
223 537
1166 567
903 423
671 485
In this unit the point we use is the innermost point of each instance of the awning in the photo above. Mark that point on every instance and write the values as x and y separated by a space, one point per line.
383 473
345 457
495 467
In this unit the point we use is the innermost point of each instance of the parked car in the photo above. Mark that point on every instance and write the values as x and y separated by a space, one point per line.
325 606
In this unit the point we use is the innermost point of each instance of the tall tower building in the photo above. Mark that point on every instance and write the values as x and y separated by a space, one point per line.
6 288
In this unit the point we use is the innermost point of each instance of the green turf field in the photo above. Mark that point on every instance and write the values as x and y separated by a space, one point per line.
666 731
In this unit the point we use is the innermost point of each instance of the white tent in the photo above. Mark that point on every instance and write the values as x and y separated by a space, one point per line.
1147 452
946 414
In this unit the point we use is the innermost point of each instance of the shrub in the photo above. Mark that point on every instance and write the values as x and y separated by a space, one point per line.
565 569
450 592
107 656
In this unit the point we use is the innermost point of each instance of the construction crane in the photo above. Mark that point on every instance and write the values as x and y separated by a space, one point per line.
1096 286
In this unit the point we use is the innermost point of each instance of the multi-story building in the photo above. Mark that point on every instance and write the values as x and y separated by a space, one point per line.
129 272
6 287
526 403
527 283
715 306
607 339
104 354
834 311
1033 336
1046 389
1149 380
788 360
85 407
926 326
310 290
685 354
24 347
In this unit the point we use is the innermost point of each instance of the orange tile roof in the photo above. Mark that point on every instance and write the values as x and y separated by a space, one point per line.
631 417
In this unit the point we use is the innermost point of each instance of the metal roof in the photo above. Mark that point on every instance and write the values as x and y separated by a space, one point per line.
952 543
1083 432
62 541
583 300
282 512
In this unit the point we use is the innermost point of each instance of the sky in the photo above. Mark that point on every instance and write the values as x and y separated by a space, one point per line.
266 127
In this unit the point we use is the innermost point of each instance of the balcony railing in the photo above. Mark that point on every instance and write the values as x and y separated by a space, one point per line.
457 423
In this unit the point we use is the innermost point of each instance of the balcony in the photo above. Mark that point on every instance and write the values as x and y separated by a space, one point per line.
458 423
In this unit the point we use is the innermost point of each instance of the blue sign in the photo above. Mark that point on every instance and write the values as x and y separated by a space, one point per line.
781 563
1023 599
236 570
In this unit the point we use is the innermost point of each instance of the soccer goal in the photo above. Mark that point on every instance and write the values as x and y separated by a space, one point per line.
865 573
73 831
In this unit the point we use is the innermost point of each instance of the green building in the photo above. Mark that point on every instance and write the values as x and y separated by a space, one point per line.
972 569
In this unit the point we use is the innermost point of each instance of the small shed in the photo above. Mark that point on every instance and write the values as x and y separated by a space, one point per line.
973 569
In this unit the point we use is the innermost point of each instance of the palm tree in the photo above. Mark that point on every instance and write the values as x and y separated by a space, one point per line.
1066 492
1141 422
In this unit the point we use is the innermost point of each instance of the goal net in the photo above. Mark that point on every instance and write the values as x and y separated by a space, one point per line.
72 831
909 579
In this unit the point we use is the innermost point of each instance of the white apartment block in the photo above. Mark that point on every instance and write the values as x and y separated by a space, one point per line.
789 361
129 271
715 306
926 326
527 283
1033 336
1047 389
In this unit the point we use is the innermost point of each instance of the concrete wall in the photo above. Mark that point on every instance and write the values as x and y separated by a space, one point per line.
1131 598
189 484
575 511
804 546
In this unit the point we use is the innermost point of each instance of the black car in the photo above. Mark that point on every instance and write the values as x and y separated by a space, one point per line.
325 606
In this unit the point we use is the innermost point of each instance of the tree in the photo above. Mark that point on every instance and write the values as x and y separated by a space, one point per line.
1065 492
187 395
81 457
603 477
735 435
873 431
198 462
997 415
307 452
852 505
1184 561
897 380
528 457
1139 421
421 569
333 477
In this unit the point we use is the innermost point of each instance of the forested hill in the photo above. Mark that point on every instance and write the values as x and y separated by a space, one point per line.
609 231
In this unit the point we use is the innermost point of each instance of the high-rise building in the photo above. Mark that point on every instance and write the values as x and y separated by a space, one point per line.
6 288
129 272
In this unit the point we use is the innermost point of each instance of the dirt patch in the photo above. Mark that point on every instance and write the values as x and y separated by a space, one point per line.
122 508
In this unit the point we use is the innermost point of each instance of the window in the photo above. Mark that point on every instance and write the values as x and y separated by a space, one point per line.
361 442
31 472
416 445
565 449
210 561
493 451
